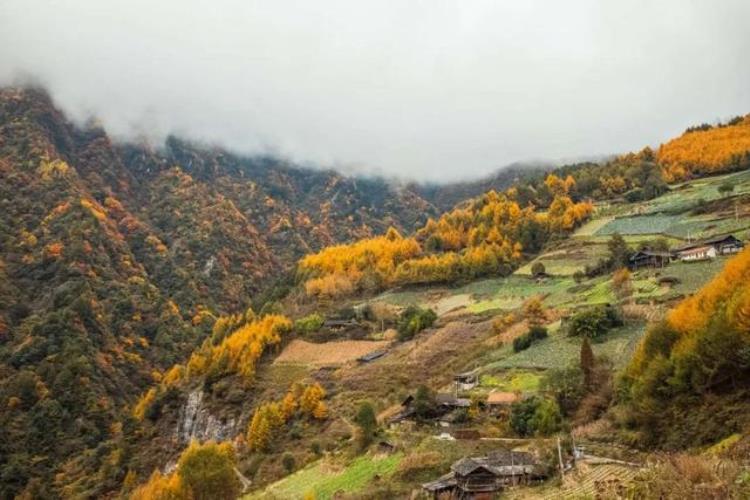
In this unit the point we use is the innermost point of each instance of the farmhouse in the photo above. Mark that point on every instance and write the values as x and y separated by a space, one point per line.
466 381
339 324
450 401
477 477
499 399
372 355
649 258
710 248
697 253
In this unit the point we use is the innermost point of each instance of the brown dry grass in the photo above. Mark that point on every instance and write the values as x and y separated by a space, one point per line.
328 353
684 477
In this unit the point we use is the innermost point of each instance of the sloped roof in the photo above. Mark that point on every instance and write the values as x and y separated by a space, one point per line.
710 241
450 400
373 355
650 253
468 465
499 463
502 398
441 483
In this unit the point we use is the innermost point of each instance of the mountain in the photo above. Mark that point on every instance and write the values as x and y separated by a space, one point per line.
113 255
154 295
446 196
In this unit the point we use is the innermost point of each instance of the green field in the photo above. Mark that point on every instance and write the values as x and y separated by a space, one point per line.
639 224
559 350
685 196
572 256
324 480
512 381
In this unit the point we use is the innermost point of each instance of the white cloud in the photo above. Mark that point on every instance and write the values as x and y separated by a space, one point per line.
422 89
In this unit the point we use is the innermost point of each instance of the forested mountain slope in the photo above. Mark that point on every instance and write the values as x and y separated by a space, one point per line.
689 379
113 256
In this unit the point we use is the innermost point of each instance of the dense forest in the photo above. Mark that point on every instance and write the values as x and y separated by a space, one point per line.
488 236
117 259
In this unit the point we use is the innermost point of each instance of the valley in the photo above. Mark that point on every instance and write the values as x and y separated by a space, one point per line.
311 335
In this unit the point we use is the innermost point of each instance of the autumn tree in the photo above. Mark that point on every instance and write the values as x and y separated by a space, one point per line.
207 471
311 398
619 252
533 311
621 283
367 424
204 472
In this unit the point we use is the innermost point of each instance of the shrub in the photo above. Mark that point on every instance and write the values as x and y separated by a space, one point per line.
288 462
413 320
316 448
634 195
594 322
207 471
535 416
538 269
535 334
367 424
579 276
309 324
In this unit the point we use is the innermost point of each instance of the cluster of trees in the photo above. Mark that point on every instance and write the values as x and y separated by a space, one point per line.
696 360
309 324
706 150
204 472
300 401
535 416
583 390
239 352
535 334
413 320
634 176
594 322
485 237
234 347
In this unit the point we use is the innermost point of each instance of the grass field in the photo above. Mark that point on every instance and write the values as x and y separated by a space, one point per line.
559 350
512 381
639 224
324 479
572 257
687 195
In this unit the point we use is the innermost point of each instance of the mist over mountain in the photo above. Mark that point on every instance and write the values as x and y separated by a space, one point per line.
444 92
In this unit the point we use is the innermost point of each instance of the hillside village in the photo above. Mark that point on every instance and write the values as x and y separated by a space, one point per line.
465 389
579 333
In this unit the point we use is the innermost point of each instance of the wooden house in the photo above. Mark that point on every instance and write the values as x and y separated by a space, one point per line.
340 324
372 355
467 380
703 252
500 402
483 477
450 401
710 248
725 245
649 258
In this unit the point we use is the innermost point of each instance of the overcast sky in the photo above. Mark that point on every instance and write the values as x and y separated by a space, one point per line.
431 90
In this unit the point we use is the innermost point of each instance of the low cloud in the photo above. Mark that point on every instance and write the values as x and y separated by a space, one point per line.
432 91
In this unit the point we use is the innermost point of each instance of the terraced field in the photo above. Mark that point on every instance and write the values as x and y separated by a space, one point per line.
328 353
687 195
324 479
559 350
595 481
